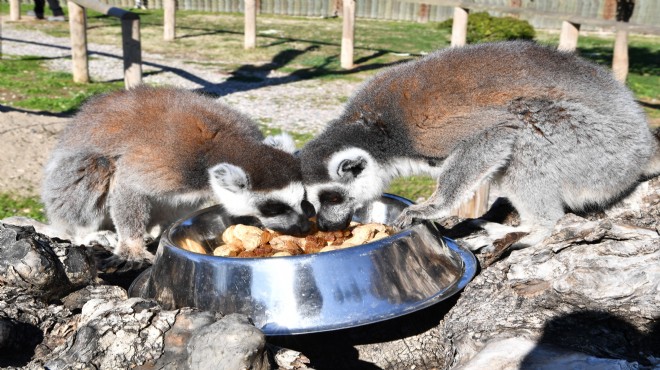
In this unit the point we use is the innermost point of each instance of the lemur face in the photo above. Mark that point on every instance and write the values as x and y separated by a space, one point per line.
354 180
284 210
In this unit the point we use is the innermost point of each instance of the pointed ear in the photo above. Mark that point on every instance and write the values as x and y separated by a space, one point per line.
282 142
348 164
225 176
350 168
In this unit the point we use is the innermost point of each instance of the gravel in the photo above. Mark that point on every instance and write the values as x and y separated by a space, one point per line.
302 106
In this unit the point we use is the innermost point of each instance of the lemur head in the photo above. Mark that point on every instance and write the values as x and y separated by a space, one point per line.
267 185
339 181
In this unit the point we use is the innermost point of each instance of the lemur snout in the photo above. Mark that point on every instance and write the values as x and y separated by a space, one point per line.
330 225
308 209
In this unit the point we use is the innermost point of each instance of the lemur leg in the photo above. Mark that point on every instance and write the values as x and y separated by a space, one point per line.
130 212
539 210
536 199
461 174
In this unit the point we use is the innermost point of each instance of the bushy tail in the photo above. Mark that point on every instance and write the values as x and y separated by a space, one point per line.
75 188
653 168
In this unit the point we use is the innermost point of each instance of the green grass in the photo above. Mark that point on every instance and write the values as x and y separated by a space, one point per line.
13 205
26 82
413 187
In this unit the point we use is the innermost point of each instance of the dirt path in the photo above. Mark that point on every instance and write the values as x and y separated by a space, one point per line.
26 141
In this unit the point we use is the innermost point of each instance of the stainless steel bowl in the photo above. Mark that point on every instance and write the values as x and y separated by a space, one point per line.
390 277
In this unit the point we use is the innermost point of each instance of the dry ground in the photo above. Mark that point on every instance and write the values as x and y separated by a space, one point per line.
26 141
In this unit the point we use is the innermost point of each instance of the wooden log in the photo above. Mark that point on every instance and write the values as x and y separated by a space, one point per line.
459 27
78 31
348 34
568 38
130 33
250 24
169 20
14 10
475 206
620 57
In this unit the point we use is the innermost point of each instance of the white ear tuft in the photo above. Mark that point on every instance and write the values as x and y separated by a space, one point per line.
282 142
225 176
348 164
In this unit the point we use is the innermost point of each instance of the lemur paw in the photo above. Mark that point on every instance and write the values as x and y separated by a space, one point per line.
119 264
105 238
406 219
125 259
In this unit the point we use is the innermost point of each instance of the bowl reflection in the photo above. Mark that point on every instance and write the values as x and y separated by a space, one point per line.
390 277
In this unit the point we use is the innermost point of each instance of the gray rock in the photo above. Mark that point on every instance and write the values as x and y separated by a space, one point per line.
114 335
77 299
40 265
175 351
33 327
230 343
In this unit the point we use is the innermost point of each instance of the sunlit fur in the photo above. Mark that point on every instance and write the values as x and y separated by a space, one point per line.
134 161
553 130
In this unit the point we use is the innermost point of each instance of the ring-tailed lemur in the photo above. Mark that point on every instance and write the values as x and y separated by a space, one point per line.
140 158
555 131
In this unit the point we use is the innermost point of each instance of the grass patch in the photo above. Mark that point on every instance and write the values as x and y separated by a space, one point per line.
13 205
413 187
26 82
299 138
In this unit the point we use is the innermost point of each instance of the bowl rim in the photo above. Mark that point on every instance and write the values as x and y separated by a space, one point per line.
363 247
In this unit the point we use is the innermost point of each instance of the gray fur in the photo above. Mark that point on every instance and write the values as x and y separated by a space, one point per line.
555 131
139 159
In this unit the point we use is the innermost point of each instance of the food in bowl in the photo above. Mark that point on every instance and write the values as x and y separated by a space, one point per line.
250 241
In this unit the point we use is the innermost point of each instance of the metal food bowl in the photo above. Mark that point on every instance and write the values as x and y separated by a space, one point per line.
390 277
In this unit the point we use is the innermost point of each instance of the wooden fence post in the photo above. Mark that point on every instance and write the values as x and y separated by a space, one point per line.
130 35
477 205
250 24
620 57
459 26
348 34
169 20
423 13
568 38
14 10
78 30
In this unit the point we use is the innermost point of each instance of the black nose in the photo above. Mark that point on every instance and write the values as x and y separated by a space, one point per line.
327 225
301 228
308 209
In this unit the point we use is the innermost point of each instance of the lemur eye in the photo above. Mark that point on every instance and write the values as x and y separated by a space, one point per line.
331 197
273 208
